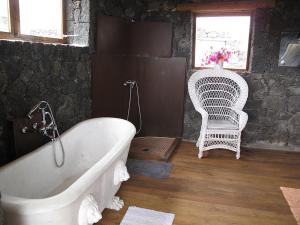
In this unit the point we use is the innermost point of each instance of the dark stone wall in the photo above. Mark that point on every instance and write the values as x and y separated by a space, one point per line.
30 72
274 100
59 74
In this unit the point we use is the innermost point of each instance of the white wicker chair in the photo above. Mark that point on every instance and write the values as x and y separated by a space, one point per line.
219 96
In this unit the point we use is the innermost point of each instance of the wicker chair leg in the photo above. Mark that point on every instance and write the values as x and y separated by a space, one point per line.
200 155
238 154
238 151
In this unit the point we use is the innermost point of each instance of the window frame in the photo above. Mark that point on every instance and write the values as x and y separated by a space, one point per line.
222 14
14 26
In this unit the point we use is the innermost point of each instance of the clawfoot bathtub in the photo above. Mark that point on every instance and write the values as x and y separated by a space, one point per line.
36 192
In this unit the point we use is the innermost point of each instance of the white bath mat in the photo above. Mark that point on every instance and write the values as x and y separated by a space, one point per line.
140 216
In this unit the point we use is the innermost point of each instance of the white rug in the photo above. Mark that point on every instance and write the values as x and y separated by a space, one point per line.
140 216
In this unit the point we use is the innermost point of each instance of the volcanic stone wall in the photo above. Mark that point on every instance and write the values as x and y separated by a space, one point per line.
30 72
59 74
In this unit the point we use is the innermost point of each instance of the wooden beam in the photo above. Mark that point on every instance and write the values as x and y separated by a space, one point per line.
233 6
14 17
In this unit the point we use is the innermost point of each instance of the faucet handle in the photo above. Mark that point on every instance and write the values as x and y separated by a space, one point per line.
24 130
34 125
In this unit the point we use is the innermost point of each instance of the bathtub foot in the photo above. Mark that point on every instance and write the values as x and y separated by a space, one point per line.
116 203
121 173
89 212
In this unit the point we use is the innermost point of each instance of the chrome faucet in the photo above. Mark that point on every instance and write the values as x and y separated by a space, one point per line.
48 125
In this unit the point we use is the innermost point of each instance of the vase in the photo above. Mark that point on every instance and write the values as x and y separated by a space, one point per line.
219 65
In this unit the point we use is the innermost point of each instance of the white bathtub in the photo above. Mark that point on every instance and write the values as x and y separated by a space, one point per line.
36 192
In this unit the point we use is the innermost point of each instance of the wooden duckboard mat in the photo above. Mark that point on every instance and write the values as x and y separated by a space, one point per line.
153 148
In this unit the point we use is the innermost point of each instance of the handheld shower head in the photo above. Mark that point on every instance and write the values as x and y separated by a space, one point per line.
34 108
131 83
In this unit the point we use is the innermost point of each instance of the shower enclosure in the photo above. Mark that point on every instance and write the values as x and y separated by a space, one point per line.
140 52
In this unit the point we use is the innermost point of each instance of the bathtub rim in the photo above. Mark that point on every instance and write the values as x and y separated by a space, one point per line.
78 187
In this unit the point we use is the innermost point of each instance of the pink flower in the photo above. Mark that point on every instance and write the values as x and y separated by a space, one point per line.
219 56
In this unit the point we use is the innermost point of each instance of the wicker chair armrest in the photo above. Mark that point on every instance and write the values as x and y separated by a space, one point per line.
203 113
204 116
242 118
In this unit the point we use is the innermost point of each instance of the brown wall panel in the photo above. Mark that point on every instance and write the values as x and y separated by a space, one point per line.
161 84
109 96
150 39
119 37
138 51
112 35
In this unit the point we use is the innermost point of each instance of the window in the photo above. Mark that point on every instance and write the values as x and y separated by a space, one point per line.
32 19
4 16
213 33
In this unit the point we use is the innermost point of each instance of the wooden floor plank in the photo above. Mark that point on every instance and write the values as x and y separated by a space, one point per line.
217 190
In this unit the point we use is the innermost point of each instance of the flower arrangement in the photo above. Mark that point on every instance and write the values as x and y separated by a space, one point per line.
219 57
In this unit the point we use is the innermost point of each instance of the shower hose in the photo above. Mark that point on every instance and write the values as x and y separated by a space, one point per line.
131 86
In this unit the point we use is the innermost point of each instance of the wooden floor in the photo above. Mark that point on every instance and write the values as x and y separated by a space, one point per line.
217 190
